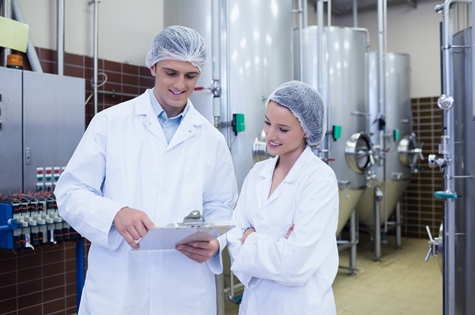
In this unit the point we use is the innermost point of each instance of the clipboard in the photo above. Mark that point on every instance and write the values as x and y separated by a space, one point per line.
163 238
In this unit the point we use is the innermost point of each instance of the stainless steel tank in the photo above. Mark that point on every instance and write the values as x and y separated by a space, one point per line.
395 146
346 146
254 57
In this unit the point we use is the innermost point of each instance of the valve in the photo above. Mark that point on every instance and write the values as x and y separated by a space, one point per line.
445 102
433 245
434 161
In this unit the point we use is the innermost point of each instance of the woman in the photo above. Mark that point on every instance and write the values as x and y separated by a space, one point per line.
283 248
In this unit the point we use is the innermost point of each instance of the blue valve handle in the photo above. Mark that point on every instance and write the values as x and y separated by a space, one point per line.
445 195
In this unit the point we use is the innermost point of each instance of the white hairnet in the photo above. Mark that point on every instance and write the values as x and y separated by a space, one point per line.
177 43
306 105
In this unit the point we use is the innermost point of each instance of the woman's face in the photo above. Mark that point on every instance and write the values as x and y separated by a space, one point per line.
284 132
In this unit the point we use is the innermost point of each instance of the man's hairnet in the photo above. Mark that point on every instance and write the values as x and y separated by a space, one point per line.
177 43
306 105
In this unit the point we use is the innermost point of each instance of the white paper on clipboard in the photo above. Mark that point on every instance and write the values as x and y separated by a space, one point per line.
168 237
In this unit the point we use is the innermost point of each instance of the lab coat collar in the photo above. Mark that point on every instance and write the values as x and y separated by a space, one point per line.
302 161
263 188
187 128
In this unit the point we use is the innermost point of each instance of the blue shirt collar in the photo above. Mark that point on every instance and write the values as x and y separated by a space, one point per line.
160 113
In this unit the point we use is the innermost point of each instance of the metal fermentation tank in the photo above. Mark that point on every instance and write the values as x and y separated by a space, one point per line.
252 51
395 145
345 81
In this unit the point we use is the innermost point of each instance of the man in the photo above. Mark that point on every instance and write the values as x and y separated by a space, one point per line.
148 162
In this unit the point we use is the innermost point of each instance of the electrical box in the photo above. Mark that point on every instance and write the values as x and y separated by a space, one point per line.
43 120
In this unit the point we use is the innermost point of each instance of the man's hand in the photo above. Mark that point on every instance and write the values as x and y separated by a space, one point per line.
132 224
199 251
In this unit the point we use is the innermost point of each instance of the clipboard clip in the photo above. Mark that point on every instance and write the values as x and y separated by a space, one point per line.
194 219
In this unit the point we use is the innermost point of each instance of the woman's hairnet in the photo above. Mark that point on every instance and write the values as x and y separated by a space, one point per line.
306 105
177 43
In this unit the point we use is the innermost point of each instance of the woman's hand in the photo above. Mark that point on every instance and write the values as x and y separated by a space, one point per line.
247 232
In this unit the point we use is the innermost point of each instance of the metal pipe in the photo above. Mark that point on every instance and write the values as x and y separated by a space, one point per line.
80 271
60 48
226 14
305 14
7 13
353 240
300 12
446 148
355 13
219 294
216 62
378 196
113 93
473 63
320 46
95 52
30 51
398 225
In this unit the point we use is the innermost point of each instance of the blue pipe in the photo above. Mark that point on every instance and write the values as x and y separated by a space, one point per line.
79 271
9 227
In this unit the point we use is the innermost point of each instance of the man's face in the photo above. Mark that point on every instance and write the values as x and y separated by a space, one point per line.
174 82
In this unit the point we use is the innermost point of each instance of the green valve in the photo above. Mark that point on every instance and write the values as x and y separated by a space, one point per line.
396 134
238 123
336 132
445 195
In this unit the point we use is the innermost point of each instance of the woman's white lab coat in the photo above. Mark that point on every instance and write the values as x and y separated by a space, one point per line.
294 275
123 160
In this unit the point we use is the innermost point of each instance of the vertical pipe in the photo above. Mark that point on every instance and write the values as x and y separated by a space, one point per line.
378 196
355 13
227 27
353 241
398 225
320 46
60 43
473 62
305 13
216 62
7 13
220 294
446 148
30 51
95 53
300 19
79 271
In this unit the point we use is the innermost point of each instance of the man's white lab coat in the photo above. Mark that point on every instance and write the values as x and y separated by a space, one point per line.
123 160
294 275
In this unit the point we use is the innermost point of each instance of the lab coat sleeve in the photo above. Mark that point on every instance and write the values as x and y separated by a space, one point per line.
220 194
78 191
234 236
220 198
292 261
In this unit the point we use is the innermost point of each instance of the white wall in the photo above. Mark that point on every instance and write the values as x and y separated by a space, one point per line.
126 27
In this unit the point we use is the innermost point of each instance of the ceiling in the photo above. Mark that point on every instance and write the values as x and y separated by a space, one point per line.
345 7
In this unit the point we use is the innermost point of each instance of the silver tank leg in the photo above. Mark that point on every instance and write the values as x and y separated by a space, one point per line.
354 241
220 294
398 225
378 196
